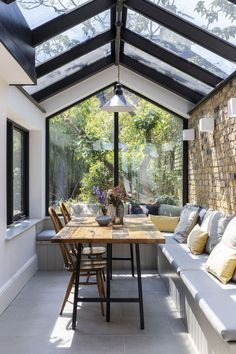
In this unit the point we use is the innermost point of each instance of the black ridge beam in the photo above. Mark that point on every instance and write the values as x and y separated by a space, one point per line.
233 1
71 19
73 79
170 58
123 28
160 79
184 28
74 53
8 1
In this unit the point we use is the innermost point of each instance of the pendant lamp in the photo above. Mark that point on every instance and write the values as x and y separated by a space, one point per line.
118 102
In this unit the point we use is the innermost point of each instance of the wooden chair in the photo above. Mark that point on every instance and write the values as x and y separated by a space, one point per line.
87 267
90 251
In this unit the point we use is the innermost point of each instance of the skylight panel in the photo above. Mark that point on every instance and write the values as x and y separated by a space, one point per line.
69 69
179 45
166 69
38 12
70 38
216 17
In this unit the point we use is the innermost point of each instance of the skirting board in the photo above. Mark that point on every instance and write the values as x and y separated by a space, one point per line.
13 286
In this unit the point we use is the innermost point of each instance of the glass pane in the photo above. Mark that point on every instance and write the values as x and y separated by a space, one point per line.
81 151
179 45
37 12
76 35
166 69
17 172
217 17
150 156
70 68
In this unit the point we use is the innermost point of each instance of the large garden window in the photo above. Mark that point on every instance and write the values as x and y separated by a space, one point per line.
81 152
17 172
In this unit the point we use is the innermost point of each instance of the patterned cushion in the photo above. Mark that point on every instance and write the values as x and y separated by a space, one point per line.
188 219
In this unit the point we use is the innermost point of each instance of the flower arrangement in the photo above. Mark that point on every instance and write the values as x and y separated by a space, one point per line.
116 195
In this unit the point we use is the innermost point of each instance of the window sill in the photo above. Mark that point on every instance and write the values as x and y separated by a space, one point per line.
19 227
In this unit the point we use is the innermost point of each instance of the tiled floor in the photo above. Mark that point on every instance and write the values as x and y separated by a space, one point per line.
31 324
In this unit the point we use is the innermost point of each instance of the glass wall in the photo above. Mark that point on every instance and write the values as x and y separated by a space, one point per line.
150 165
81 152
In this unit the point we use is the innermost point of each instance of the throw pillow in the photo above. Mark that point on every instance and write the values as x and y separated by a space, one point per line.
164 223
188 219
214 223
222 262
196 240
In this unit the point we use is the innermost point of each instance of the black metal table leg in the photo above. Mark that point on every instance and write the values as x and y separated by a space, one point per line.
132 259
140 291
109 270
76 293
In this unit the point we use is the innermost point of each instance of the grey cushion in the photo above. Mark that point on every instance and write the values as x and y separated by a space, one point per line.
45 235
216 300
229 236
188 219
214 223
181 258
84 209
169 210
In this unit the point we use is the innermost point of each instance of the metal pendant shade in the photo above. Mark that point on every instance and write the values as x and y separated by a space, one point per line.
118 102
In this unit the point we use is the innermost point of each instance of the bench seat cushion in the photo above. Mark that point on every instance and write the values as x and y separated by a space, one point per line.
45 235
181 258
216 300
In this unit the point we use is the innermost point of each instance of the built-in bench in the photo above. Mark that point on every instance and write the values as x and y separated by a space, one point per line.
205 304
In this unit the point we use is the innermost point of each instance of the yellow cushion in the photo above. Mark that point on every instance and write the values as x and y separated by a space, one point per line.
197 240
164 223
222 262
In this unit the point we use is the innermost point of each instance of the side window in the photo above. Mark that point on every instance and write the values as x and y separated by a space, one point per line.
17 172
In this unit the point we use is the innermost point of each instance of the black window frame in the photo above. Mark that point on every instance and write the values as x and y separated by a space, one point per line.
11 218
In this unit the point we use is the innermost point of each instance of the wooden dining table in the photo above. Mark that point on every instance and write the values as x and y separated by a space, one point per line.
136 230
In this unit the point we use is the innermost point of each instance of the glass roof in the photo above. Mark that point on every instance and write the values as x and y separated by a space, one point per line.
179 45
68 39
37 12
216 17
166 69
69 69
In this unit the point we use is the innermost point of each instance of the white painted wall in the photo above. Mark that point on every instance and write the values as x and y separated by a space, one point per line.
18 260
128 78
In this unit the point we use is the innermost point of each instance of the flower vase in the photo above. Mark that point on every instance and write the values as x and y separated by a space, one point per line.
103 209
111 211
119 220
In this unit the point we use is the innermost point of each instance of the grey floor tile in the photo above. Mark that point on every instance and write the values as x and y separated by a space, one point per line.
32 323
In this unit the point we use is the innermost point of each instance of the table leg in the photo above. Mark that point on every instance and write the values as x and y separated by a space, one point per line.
109 270
76 292
140 291
132 259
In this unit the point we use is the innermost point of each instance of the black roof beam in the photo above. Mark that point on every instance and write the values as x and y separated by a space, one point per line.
69 20
73 79
184 28
161 79
233 1
168 57
75 53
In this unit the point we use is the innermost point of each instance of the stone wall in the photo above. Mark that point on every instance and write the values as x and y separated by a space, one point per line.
212 155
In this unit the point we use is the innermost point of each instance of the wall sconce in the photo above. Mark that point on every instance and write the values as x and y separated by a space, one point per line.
232 107
188 134
206 124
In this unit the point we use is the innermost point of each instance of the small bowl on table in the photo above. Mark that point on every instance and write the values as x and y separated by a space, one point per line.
103 220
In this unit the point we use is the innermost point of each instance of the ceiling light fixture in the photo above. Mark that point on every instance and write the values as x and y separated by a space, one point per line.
118 102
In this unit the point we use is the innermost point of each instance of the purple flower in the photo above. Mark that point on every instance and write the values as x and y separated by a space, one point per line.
99 194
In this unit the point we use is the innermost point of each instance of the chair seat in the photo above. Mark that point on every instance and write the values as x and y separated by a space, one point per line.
93 251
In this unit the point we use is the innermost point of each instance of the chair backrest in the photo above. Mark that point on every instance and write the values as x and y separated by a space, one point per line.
65 213
55 220
67 253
